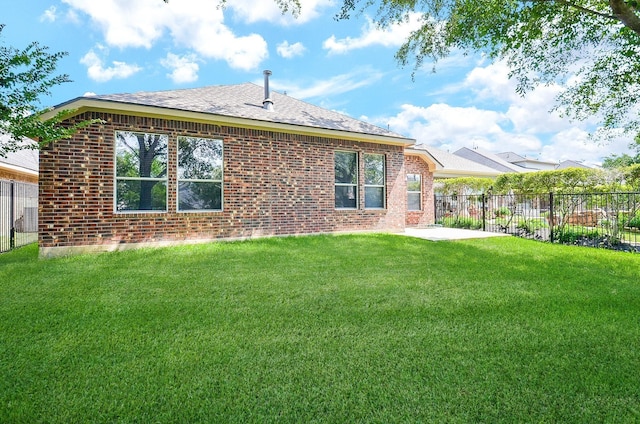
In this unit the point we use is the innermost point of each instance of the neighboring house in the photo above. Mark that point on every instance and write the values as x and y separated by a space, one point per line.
19 166
222 162
489 159
528 163
448 165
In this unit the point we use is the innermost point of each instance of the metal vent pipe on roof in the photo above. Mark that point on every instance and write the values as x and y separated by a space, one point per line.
267 103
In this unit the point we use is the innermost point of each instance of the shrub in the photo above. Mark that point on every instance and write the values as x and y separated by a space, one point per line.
531 225
634 222
461 222
570 235
502 211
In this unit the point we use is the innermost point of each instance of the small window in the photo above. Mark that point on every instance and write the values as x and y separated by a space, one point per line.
346 180
199 174
141 172
374 181
414 192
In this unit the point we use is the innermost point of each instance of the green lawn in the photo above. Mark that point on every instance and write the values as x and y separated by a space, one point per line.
340 329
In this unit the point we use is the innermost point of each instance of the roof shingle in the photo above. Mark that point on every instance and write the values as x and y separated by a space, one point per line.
245 101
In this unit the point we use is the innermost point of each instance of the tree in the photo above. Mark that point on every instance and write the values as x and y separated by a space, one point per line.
624 160
592 46
25 76
464 185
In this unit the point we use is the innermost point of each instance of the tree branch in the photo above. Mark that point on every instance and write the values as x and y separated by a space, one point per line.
625 14
579 7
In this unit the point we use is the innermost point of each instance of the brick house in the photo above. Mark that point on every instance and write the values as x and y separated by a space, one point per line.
222 162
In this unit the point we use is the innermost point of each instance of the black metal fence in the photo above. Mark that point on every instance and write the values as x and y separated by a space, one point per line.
607 220
18 214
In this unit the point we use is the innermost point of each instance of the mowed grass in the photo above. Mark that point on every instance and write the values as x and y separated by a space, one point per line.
337 329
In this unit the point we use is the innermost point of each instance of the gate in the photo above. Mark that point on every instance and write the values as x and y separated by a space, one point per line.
18 214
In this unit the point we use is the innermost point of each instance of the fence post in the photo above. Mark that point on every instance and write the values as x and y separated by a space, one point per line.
551 217
435 208
484 226
12 231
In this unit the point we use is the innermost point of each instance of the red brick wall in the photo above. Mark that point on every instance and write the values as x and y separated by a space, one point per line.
274 184
426 216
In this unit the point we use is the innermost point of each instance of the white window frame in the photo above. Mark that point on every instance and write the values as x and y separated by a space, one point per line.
419 193
117 178
383 186
179 180
357 183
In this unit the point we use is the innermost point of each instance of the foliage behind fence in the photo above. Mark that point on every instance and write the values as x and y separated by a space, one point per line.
18 214
608 220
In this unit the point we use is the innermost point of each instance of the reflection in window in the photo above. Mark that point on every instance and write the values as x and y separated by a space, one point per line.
346 180
199 174
141 172
374 181
414 192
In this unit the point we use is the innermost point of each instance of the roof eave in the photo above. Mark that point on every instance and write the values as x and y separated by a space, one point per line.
84 104
18 169
424 155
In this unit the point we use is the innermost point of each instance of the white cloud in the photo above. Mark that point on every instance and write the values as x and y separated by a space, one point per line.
251 11
575 144
197 25
218 42
288 51
449 127
184 69
125 23
49 15
531 113
371 35
337 84
97 71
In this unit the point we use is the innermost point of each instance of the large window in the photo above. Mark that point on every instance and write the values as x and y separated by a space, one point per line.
199 174
346 180
414 192
141 172
374 178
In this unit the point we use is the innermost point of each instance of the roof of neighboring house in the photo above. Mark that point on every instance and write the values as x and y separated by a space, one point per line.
240 104
24 162
489 159
525 162
449 165
571 164
511 157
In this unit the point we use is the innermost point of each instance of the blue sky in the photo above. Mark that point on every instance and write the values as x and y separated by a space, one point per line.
120 46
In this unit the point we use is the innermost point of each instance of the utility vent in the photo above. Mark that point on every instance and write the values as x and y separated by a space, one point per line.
267 103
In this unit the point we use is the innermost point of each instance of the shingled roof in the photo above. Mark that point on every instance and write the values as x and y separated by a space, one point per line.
242 101
449 165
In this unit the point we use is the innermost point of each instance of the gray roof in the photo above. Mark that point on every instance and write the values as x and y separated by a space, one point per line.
571 164
511 157
26 159
526 162
449 165
245 101
489 159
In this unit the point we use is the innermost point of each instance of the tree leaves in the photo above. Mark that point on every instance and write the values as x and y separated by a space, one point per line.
26 76
590 46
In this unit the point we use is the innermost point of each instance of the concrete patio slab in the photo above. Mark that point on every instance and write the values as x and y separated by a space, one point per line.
442 233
